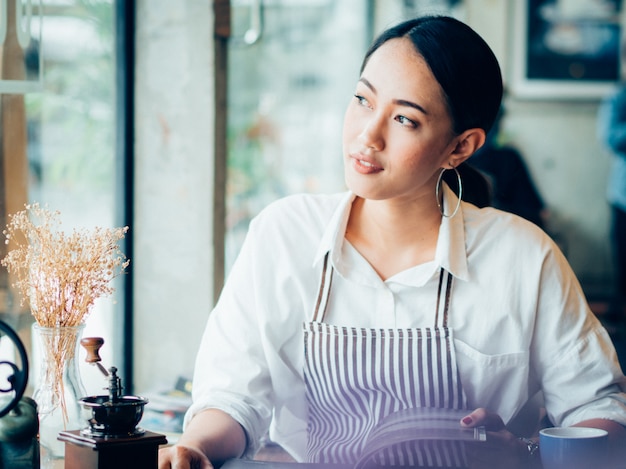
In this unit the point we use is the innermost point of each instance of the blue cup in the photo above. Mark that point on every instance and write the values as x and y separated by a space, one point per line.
573 448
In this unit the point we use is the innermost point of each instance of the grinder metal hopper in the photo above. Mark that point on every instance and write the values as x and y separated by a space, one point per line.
113 415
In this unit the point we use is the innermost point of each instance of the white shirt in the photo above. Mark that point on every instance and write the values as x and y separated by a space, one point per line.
520 320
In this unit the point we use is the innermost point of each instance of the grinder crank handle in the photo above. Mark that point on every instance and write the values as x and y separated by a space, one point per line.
92 345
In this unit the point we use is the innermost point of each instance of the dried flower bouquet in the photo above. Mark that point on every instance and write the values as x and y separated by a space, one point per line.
61 276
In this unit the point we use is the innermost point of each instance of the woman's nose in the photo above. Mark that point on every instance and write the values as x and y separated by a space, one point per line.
373 133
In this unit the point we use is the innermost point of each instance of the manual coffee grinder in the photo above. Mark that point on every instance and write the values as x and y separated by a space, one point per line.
111 438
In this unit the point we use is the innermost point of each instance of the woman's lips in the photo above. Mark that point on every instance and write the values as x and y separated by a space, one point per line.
364 166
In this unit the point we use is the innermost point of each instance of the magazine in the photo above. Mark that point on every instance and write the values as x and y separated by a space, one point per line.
421 425
439 427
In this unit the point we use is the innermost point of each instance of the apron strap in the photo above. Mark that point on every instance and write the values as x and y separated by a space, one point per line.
443 306
321 305
324 291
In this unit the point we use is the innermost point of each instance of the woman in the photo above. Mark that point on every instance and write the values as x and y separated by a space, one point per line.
316 331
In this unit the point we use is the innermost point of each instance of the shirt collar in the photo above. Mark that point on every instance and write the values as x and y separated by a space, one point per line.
450 253
333 236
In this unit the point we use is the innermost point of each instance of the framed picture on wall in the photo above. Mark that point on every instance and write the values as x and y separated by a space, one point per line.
566 49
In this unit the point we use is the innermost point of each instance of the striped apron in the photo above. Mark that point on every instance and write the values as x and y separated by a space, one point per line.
356 376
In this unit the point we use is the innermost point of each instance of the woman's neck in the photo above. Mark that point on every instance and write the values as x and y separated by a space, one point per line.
393 236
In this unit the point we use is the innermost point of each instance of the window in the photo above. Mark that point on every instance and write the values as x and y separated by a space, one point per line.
63 136
292 69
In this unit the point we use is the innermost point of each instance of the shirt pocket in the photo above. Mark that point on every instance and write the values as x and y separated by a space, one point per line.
497 382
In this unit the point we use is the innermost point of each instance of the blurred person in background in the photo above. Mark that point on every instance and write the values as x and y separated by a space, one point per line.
612 132
512 187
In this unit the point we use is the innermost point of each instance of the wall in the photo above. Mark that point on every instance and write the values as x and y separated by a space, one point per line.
559 142
570 167
173 190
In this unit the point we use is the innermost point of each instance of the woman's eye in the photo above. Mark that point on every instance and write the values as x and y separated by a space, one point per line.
406 121
362 101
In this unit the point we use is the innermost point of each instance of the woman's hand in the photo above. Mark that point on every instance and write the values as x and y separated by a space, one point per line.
211 435
183 457
501 450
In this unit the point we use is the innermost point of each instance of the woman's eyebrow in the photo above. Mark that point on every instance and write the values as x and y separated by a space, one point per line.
400 102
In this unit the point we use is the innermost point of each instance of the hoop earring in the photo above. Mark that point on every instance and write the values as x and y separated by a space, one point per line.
440 199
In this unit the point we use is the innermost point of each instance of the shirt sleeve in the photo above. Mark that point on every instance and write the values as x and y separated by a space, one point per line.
573 355
231 372
250 360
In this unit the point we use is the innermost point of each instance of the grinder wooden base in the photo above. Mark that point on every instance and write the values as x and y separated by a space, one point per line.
87 452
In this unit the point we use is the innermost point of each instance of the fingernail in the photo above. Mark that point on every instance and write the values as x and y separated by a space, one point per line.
467 420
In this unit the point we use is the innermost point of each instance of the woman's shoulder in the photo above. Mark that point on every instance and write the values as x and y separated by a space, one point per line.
303 208
306 199
502 245
490 224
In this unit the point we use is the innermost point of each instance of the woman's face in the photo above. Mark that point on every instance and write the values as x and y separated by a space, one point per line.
397 131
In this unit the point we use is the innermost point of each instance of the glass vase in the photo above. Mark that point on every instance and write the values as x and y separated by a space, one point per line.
58 388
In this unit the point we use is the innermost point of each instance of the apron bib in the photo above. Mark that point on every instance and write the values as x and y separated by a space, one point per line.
356 376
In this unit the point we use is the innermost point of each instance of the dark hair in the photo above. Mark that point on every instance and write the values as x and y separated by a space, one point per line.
469 75
462 63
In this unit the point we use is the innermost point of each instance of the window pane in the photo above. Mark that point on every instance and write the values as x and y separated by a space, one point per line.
287 96
70 136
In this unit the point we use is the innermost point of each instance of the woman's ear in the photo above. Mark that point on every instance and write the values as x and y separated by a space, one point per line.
467 143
